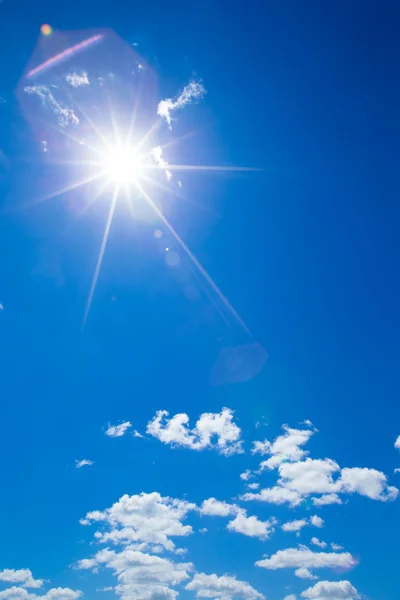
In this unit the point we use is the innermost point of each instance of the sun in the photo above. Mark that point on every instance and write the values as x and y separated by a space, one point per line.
122 164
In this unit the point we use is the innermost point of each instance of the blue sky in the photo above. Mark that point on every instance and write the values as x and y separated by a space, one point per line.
257 309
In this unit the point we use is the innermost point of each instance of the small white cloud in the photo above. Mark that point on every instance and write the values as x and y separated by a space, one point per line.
336 547
253 486
331 590
203 530
308 423
136 434
316 521
246 475
296 525
274 495
118 430
77 79
290 597
304 573
214 508
397 443
83 463
251 526
192 92
321 544
395 471
161 162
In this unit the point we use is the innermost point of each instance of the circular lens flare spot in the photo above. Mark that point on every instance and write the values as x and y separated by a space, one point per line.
46 29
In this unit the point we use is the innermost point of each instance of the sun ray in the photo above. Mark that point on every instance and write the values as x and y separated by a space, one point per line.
199 266
211 168
64 190
101 255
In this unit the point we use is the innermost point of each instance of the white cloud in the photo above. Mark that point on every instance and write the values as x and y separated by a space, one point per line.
290 597
21 576
336 547
327 499
367 482
77 79
212 430
304 557
140 576
275 495
222 588
246 475
192 92
161 162
118 430
149 518
214 508
308 423
303 573
296 525
65 116
316 521
83 463
286 447
322 544
253 486
331 590
136 434
397 443
251 526
19 593
395 471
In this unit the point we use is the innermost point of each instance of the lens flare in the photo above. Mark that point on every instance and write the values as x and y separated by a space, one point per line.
46 29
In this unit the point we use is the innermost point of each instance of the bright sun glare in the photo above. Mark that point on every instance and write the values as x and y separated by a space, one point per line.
122 165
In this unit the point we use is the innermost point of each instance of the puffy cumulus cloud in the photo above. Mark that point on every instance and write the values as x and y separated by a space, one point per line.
286 447
143 518
83 463
290 597
295 525
118 430
303 573
140 576
310 476
23 577
316 521
327 499
212 430
214 508
367 482
255 486
251 526
195 90
65 116
274 495
331 590
222 588
303 557
397 443
19 593
316 542
77 79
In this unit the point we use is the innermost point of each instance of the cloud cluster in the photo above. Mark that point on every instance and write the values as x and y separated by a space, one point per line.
148 520
20 593
140 576
195 90
212 430
300 476
222 588
298 524
77 79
